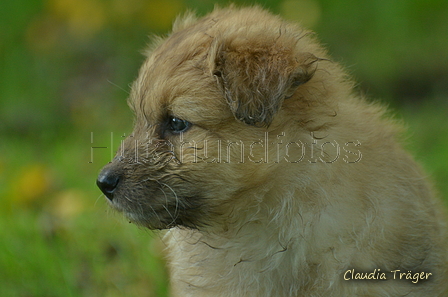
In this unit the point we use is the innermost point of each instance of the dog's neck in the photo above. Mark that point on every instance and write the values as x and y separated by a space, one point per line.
279 239
258 241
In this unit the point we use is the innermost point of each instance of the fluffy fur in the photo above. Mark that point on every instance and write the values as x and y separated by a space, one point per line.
272 176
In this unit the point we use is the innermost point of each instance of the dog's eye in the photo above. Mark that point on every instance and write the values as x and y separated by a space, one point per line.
177 125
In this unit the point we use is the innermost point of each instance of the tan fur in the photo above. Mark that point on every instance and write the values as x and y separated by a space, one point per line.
285 180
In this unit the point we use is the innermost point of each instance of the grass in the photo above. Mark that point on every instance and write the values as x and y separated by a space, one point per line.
428 139
59 237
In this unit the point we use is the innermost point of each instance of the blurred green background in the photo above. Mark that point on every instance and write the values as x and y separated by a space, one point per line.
65 70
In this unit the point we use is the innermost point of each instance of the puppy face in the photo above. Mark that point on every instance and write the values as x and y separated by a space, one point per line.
208 101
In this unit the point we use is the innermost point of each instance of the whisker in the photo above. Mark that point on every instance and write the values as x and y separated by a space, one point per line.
114 84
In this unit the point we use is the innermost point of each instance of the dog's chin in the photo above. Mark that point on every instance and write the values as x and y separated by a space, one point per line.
150 222
155 218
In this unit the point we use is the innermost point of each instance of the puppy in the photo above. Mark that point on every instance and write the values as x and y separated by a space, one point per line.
273 177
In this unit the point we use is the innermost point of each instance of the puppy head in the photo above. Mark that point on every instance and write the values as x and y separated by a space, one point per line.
204 96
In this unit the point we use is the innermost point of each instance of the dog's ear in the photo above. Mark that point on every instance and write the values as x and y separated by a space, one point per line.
256 81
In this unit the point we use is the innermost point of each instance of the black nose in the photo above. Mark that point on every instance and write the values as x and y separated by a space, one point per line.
107 182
